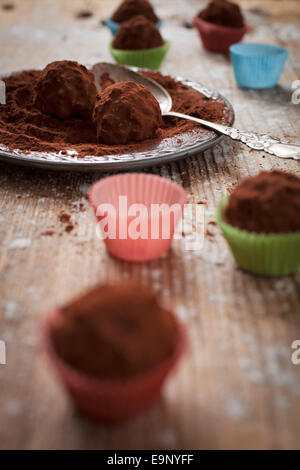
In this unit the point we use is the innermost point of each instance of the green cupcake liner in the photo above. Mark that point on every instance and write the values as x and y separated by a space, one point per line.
147 58
263 254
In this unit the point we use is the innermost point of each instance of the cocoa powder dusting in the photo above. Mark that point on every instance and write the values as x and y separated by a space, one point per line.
24 127
130 8
65 219
223 13
138 33
266 203
115 331
129 107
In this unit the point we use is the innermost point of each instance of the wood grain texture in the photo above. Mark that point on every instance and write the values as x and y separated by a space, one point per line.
237 386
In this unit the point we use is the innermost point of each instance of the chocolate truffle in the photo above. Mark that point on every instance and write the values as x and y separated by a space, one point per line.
66 89
266 203
126 112
136 34
115 331
223 13
130 8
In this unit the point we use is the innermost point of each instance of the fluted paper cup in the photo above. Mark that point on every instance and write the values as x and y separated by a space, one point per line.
257 66
141 211
218 38
145 58
260 253
110 400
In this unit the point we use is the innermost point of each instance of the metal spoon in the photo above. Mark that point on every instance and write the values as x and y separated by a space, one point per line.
273 145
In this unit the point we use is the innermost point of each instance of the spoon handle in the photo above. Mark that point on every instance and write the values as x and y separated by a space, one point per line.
273 145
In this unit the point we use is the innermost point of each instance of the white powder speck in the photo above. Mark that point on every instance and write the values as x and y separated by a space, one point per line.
167 439
185 313
13 408
235 409
217 298
19 244
282 403
256 376
84 188
10 310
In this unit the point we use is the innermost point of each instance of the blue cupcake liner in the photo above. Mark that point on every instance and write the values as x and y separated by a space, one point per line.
257 66
115 26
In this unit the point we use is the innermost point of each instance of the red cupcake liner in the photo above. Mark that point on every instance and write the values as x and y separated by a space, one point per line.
218 38
145 189
108 400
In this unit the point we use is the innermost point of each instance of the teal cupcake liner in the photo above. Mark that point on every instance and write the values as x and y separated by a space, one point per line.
262 254
257 66
146 58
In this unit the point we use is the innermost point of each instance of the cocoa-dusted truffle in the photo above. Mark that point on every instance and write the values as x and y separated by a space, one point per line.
130 8
223 13
115 331
66 89
126 112
136 34
266 203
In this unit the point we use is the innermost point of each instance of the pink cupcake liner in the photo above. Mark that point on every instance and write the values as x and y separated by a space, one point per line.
110 401
218 38
148 190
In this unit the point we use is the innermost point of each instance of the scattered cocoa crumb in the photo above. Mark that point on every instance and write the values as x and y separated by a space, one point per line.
188 25
201 202
64 217
259 11
212 222
84 14
8 6
69 228
209 233
48 233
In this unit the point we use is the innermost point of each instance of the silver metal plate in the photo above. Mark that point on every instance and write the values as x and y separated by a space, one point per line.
164 151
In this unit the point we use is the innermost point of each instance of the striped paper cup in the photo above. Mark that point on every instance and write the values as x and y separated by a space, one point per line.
261 253
217 38
146 58
110 400
137 214
257 66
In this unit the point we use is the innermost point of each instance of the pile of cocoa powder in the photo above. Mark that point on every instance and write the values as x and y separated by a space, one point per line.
24 127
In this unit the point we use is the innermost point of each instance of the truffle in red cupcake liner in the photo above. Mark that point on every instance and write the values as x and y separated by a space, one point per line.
110 400
218 38
144 209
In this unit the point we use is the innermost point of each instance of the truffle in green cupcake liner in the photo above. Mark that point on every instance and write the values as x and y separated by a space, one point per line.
259 253
146 58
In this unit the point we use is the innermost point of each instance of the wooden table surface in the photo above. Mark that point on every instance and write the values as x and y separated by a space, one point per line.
236 386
